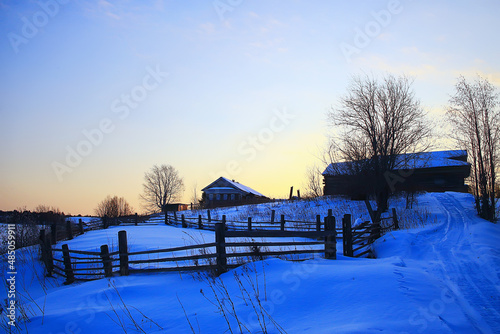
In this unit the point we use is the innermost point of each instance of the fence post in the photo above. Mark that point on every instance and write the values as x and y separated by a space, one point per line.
70 276
273 213
208 216
69 230
347 235
331 239
220 230
318 223
395 219
80 226
183 219
250 223
42 235
376 232
166 217
49 257
175 216
330 216
282 222
136 219
200 223
106 261
46 250
43 248
123 251
53 232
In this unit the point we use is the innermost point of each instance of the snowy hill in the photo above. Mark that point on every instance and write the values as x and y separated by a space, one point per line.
440 277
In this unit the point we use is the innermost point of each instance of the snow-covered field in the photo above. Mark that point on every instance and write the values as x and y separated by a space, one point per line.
442 276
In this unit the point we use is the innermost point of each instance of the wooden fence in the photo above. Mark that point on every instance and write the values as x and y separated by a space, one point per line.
67 230
224 253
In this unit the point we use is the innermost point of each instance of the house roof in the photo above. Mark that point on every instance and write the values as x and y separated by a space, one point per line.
409 161
232 185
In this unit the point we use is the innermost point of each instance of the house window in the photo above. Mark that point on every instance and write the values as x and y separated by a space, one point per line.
217 197
224 197
232 197
210 196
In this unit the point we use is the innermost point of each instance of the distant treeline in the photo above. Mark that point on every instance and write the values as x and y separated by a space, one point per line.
28 217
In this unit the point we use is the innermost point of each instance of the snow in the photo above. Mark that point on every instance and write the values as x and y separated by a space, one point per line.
410 161
439 277
243 187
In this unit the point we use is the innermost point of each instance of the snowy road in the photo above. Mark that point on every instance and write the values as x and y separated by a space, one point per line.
467 270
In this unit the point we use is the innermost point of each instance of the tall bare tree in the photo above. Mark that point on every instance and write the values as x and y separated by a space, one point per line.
195 201
113 207
314 186
375 121
474 114
162 185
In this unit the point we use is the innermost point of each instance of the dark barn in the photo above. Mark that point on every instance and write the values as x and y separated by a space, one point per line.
428 171
175 207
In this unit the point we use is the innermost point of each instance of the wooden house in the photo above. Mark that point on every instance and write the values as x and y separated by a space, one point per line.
225 192
427 171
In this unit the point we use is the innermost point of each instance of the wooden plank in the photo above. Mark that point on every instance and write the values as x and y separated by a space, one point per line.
363 253
168 269
78 271
175 249
277 234
360 247
92 274
77 252
58 268
267 244
359 240
361 226
174 259
277 253
88 262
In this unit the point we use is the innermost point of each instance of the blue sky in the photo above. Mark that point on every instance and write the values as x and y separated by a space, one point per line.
235 88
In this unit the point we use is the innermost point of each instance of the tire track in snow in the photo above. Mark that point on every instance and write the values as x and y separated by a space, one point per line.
476 294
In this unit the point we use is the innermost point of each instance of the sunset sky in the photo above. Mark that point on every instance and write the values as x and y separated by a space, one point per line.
94 93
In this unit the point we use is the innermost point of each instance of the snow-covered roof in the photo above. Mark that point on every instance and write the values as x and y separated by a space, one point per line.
233 184
243 187
408 161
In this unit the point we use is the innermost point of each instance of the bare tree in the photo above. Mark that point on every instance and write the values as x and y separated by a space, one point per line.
41 208
113 207
48 215
314 186
375 122
475 119
195 200
162 185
